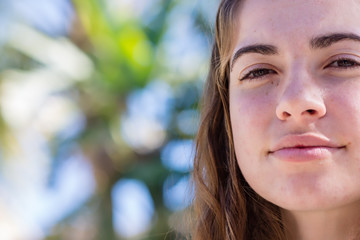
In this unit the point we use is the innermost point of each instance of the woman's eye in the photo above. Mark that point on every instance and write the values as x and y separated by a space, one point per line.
343 63
257 73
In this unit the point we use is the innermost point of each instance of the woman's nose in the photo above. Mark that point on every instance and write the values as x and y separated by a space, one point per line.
301 99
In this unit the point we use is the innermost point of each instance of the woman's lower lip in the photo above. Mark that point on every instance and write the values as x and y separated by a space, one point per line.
304 154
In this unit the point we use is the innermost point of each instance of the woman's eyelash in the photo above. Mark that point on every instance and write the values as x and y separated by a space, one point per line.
343 63
257 73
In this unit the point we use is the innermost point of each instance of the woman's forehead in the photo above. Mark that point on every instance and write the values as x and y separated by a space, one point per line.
298 20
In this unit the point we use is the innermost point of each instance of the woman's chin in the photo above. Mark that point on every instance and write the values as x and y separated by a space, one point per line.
302 198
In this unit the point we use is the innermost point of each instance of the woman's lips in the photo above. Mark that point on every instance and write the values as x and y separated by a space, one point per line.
302 154
304 147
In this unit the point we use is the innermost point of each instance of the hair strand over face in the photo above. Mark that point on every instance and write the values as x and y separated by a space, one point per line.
225 205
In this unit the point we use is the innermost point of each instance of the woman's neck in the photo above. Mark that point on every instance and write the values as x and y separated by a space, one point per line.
335 224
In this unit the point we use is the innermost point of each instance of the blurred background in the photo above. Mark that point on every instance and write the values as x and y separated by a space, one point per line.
98 111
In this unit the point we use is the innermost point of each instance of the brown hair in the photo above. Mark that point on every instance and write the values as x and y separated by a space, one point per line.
226 207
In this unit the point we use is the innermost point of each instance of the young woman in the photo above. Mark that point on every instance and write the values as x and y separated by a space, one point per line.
278 149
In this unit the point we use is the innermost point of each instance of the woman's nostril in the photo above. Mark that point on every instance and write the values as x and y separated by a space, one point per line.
311 111
286 114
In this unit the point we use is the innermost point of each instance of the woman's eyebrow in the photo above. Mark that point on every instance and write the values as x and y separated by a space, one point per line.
315 43
327 40
255 48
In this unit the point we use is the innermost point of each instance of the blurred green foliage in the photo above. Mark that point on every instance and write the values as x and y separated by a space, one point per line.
128 53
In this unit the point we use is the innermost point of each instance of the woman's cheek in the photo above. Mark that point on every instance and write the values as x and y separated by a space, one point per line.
251 116
251 111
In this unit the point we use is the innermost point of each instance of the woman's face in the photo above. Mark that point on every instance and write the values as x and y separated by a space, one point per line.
295 101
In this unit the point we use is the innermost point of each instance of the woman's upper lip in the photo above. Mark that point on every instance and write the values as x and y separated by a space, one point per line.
303 141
